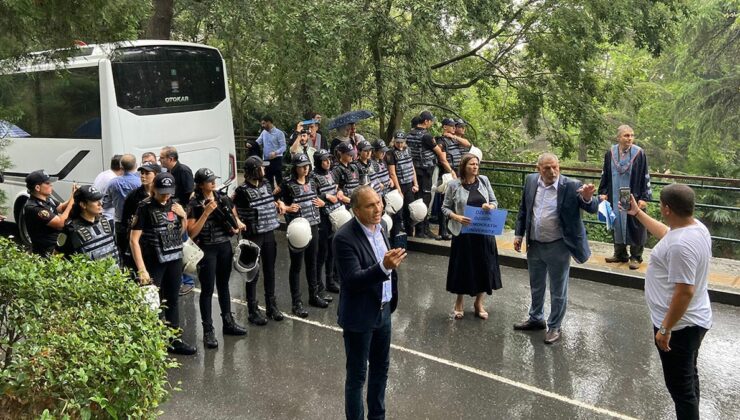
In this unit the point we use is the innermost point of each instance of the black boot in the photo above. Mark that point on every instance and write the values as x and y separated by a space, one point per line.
331 286
326 296
180 347
299 310
315 300
255 315
209 336
231 327
272 310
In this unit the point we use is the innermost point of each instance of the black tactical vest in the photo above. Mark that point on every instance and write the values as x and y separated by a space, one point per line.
164 235
454 152
259 214
325 184
404 166
303 195
422 157
365 171
382 176
215 230
94 240
347 177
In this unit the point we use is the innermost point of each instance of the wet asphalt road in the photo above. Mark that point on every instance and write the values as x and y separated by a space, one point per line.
606 365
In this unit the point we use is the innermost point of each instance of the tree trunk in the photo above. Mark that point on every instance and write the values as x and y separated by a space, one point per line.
160 24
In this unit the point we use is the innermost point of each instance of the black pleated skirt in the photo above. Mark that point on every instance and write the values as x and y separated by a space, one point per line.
473 267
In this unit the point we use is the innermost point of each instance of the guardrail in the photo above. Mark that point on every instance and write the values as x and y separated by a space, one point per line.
728 185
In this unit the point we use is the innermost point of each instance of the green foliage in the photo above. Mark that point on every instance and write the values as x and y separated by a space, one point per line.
76 340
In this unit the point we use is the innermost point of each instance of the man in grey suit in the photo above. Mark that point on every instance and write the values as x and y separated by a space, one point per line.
550 217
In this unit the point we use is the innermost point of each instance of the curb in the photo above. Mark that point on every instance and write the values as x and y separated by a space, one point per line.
716 294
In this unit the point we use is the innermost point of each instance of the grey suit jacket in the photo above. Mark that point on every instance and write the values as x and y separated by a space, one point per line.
570 204
456 198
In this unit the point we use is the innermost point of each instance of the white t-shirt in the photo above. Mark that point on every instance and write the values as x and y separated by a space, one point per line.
682 256
101 184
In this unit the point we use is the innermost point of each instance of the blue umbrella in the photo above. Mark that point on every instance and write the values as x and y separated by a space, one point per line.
350 118
11 130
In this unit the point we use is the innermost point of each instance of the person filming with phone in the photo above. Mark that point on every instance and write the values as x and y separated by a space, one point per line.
625 172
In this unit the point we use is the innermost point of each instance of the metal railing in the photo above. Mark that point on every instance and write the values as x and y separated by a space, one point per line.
727 185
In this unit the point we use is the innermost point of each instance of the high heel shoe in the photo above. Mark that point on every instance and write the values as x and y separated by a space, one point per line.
457 314
481 313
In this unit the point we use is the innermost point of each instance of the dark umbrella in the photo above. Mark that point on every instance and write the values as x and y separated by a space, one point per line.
350 118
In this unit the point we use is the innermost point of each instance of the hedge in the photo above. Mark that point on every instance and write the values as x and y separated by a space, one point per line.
76 341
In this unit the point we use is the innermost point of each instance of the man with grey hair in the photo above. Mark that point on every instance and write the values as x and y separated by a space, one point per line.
676 292
366 265
625 168
550 218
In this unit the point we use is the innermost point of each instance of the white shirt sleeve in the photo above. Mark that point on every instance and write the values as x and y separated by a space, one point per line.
682 264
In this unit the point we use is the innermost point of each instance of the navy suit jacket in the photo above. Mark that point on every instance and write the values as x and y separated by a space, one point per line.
361 278
570 204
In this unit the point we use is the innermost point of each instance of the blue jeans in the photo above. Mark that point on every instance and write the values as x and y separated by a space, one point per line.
548 260
362 347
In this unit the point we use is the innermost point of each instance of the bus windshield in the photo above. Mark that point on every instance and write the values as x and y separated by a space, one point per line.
152 80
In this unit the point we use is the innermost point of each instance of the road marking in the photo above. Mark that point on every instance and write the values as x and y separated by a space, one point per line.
466 368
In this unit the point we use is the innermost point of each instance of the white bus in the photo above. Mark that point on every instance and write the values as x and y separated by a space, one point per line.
129 97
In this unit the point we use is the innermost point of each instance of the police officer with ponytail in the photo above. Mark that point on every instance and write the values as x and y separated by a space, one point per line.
156 246
299 198
331 195
258 210
87 231
212 221
382 182
403 175
346 174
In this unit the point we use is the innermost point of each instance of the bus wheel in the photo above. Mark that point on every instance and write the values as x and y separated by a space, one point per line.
20 219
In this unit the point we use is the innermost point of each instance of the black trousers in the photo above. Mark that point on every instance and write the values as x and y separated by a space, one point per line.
680 372
168 277
309 256
268 256
403 217
274 172
325 255
215 268
620 251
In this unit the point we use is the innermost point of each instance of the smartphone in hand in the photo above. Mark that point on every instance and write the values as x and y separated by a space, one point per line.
624 198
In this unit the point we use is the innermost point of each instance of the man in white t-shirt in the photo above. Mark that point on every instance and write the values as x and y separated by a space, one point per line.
101 184
676 292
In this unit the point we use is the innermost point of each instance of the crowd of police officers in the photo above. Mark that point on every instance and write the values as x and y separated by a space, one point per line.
313 199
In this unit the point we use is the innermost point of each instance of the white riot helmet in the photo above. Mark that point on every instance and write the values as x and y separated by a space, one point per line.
418 211
476 152
446 178
388 222
191 256
339 217
393 202
247 259
299 234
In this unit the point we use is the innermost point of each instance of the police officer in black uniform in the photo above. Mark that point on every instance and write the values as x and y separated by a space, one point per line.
331 195
346 175
453 147
382 181
147 171
299 197
425 153
258 210
44 217
87 231
364 164
156 246
401 169
212 220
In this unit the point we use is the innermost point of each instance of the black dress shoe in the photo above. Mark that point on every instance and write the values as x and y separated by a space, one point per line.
209 339
299 310
273 312
180 347
316 301
231 327
530 325
327 297
332 287
613 259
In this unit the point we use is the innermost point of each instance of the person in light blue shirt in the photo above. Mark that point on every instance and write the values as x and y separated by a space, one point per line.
118 188
272 142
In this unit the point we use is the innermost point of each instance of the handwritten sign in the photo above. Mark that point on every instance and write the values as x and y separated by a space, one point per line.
485 222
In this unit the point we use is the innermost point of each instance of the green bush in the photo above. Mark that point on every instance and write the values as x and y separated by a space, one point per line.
76 341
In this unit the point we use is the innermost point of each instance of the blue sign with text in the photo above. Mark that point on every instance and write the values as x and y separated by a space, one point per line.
484 222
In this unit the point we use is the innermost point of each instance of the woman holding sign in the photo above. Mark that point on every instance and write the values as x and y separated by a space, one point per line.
473 268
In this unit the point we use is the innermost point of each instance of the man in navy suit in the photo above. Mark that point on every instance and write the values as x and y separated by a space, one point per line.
369 294
550 217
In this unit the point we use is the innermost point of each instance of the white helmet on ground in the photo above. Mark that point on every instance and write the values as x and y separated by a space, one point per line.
299 234
388 222
418 211
443 186
247 259
339 217
393 202
476 152
191 256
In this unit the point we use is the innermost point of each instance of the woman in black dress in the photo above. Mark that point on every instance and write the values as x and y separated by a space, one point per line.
473 268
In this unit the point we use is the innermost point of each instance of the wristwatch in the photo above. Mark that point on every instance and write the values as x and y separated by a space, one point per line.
662 330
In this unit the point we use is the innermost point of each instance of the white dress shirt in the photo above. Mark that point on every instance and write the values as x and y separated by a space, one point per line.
545 221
